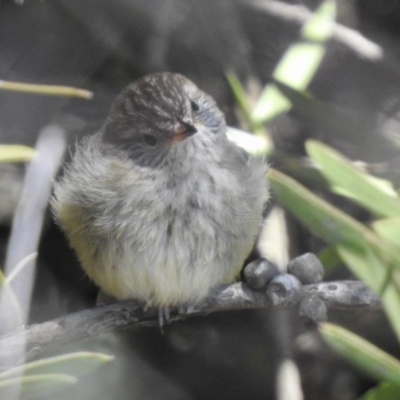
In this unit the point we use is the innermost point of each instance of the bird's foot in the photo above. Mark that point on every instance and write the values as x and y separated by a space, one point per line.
187 309
164 315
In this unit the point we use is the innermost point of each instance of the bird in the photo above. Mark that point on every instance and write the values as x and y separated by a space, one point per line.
159 205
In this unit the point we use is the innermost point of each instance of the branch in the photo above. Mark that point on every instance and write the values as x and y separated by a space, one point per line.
41 338
49 90
352 39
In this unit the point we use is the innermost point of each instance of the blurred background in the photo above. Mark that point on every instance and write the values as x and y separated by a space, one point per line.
102 46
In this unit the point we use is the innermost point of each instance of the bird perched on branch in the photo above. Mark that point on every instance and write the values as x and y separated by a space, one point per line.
159 205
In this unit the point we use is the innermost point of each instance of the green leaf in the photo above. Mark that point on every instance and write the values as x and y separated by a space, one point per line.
378 275
50 90
38 378
35 386
383 391
320 26
239 93
388 229
2 278
16 153
374 194
325 220
298 65
74 364
329 257
365 355
270 104
369 258
374 259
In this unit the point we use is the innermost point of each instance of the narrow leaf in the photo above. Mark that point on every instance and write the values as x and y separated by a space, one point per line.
383 391
348 180
365 355
270 104
16 153
328 222
374 261
388 229
239 93
34 386
52 90
378 275
75 364
320 26
329 257
298 65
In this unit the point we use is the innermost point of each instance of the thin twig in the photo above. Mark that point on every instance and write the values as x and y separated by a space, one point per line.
50 90
299 15
44 337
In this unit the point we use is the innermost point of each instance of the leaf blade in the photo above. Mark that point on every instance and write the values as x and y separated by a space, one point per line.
362 353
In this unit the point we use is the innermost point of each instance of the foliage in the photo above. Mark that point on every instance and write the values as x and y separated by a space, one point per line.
371 252
35 379
38 378
48 90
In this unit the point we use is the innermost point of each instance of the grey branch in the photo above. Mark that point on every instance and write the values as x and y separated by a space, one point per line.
46 336
299 15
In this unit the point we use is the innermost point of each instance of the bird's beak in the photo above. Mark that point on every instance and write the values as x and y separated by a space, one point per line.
182 130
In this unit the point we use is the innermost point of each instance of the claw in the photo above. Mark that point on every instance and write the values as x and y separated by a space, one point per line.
186 309
163 317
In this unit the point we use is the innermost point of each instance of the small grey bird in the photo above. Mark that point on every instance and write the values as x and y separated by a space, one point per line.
159 205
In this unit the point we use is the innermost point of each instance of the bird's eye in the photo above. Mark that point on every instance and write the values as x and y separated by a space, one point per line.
195 106
150 139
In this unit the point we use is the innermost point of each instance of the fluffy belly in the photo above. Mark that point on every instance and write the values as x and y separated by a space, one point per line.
166 285
164 245
168 276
